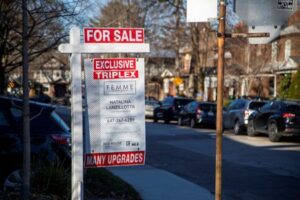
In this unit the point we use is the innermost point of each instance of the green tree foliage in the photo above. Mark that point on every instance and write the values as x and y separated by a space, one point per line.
284 86
294 89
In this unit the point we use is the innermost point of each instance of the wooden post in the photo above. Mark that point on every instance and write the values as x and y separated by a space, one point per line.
219 127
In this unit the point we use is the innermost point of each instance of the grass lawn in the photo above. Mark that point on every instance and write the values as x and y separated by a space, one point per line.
102 183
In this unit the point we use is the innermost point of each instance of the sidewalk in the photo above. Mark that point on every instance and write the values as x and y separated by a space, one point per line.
157 184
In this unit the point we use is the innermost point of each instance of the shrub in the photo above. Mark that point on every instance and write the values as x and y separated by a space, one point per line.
284 86
101 183
51 178
294 89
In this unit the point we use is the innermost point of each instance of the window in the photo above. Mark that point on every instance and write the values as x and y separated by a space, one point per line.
287 50
17 114
267 107
205 107
237 104
3 121
256 105
192 107
168 101
275 106
274 51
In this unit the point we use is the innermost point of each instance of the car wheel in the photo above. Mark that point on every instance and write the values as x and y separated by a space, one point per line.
274 135
167 121
155 119
250 129
13 181
237 128
193 123
179 121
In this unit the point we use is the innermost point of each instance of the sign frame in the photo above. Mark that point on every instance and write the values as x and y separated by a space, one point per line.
76 48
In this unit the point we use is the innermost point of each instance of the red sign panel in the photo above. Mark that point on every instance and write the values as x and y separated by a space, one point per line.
116 74
114 159
115 68
114 64
113 35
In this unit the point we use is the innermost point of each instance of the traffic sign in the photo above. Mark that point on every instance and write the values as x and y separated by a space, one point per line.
201 10
265 12
269 16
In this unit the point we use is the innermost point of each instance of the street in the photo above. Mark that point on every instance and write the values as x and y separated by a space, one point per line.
253 167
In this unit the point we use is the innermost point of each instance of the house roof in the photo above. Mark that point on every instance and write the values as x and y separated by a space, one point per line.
292 63
295 28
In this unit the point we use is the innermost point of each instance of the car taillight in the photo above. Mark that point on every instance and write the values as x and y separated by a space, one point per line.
288 115
246 114
61 139
199 111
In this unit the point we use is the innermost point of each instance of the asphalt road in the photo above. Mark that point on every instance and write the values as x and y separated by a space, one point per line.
253 167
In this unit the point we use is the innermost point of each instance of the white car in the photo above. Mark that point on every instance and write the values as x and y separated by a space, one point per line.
150 105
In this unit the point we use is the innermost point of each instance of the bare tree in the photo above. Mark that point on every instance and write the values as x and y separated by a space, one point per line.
46 28
28 29
203 46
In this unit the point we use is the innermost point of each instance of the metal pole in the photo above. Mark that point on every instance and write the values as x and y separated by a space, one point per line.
219 128
77 125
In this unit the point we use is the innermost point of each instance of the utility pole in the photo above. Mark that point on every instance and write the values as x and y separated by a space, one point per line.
25 192
221 60
219 127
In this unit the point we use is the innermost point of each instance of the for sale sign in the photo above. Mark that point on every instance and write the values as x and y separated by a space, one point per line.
115 99
113 35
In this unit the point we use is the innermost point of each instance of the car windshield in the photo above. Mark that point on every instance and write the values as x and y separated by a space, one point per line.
182 102
151 102
50 122
256 105
168 101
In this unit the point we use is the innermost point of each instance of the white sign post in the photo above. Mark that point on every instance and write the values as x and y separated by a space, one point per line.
116 41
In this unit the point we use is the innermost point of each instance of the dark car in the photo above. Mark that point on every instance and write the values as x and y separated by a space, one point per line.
277 119
170 108
49 138
235 115
198 113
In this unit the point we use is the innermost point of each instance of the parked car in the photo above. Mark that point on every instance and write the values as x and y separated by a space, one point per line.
198 113
235 115
150 105
49 138
170 108
277 119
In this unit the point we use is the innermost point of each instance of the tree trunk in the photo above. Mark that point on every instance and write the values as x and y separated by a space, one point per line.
2 78
26 126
